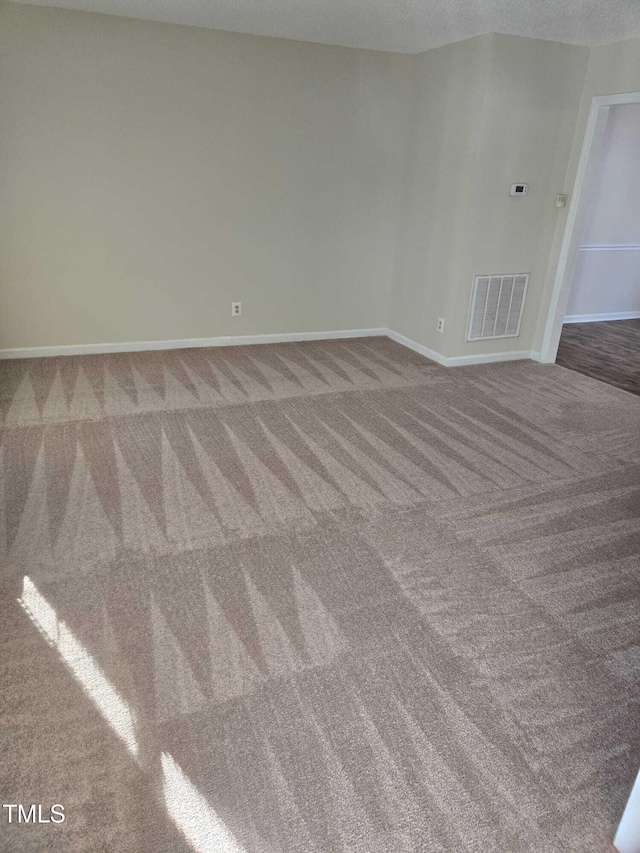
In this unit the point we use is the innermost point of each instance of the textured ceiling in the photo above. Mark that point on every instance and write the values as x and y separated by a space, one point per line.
406 26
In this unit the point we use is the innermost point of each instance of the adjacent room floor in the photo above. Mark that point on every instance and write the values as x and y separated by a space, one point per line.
317 597
608 351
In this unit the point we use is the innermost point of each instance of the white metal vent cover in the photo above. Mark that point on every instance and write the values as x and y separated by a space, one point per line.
496 306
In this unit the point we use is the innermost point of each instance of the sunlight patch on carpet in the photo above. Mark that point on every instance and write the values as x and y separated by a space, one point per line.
191 813
81 664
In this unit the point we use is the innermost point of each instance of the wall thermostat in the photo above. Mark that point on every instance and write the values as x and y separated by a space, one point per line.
519 189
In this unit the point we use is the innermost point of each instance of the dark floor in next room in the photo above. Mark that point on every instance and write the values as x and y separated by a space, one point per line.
608 351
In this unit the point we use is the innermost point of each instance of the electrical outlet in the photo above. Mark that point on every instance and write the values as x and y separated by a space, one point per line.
441 324
236 309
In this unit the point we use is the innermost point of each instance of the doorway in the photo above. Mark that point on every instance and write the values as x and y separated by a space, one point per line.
594 319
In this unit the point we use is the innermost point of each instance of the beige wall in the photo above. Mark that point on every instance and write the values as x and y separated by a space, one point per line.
528 119
446 105
152 173
491 111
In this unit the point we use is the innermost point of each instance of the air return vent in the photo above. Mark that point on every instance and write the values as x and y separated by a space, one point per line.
496 306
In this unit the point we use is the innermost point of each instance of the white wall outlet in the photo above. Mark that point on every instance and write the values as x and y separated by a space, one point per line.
561 200
236 309
441 325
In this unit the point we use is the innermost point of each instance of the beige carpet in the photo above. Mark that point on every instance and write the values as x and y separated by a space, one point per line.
317 597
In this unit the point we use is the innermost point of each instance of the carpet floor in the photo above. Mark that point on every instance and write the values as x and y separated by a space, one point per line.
317 597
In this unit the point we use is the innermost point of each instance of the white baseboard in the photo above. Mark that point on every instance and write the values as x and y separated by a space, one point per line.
186 343
487 358
459 360
599 318
416 347
244 340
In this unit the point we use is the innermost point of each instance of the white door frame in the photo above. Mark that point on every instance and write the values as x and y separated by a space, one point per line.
591 146
627 838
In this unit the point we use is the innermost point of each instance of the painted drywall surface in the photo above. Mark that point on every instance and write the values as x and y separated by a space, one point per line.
111 228
605 282
530 106
613 213
446 104
612 69
486 113
152 173
606 279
